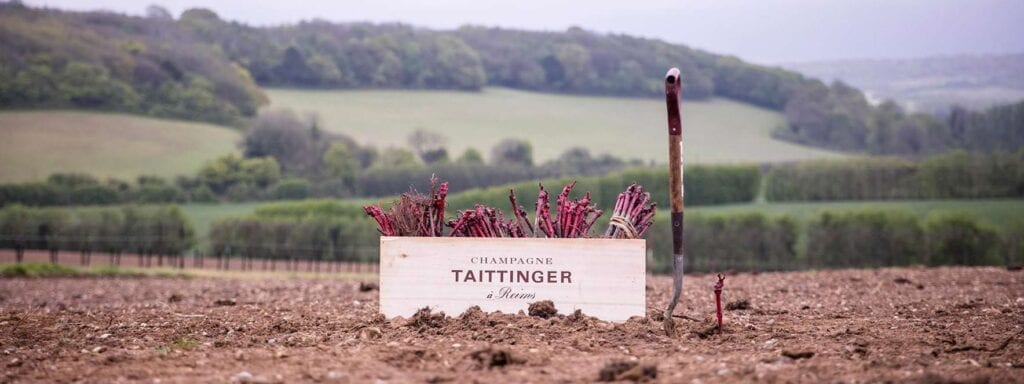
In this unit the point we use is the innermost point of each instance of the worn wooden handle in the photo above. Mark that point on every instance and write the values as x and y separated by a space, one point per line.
673 88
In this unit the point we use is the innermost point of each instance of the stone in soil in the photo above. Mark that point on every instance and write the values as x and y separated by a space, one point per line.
370 333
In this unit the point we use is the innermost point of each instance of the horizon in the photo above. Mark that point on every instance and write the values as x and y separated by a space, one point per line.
906 29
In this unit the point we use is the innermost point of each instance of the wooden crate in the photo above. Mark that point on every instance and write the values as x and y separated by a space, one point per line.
603 277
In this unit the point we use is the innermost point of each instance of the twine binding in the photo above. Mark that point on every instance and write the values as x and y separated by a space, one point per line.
628 230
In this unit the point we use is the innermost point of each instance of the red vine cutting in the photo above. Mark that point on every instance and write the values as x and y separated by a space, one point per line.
416 214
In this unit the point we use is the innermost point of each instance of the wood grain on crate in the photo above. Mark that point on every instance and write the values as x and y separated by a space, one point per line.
602 277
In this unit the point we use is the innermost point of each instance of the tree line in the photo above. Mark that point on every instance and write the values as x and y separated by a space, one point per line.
753 241
868 238
705 185
957 175
160 230
106 61
323 54
83 189
294 239
320 231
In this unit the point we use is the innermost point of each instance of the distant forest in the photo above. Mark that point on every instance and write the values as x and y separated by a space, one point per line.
105 61
199 66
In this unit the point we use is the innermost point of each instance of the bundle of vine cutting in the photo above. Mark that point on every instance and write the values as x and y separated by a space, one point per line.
632 216
415 214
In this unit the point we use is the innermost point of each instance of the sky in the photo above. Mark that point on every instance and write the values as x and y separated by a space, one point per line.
762 31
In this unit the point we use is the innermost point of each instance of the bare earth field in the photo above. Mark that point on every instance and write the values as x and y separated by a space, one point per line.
900 325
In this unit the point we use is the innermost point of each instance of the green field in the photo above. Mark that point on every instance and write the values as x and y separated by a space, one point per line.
34 144
715 131
203 215
997 212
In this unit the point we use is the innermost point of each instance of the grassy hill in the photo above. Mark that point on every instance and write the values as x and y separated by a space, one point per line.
35 144
715 131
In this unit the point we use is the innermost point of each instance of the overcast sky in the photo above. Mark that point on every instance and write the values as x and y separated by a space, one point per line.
763 31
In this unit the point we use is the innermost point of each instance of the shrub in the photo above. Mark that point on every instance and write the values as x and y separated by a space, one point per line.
151 193
378 181
290 189
871 238
843 180
32 270
284 235
966 175
34 194
71 180
307 208
955 175
145 230
92 195
1013 243
959 239
705 185
202 194
742 242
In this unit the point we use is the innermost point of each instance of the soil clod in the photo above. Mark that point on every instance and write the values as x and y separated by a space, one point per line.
491 357
175 298
577 317
424 319
708 332
367 286
797 355
627 371
738 305
543 309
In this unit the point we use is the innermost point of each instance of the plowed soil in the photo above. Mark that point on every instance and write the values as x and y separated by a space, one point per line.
897 325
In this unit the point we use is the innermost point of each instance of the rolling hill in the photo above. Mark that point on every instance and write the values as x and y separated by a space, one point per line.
202 67
38 143
930 84
715 131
